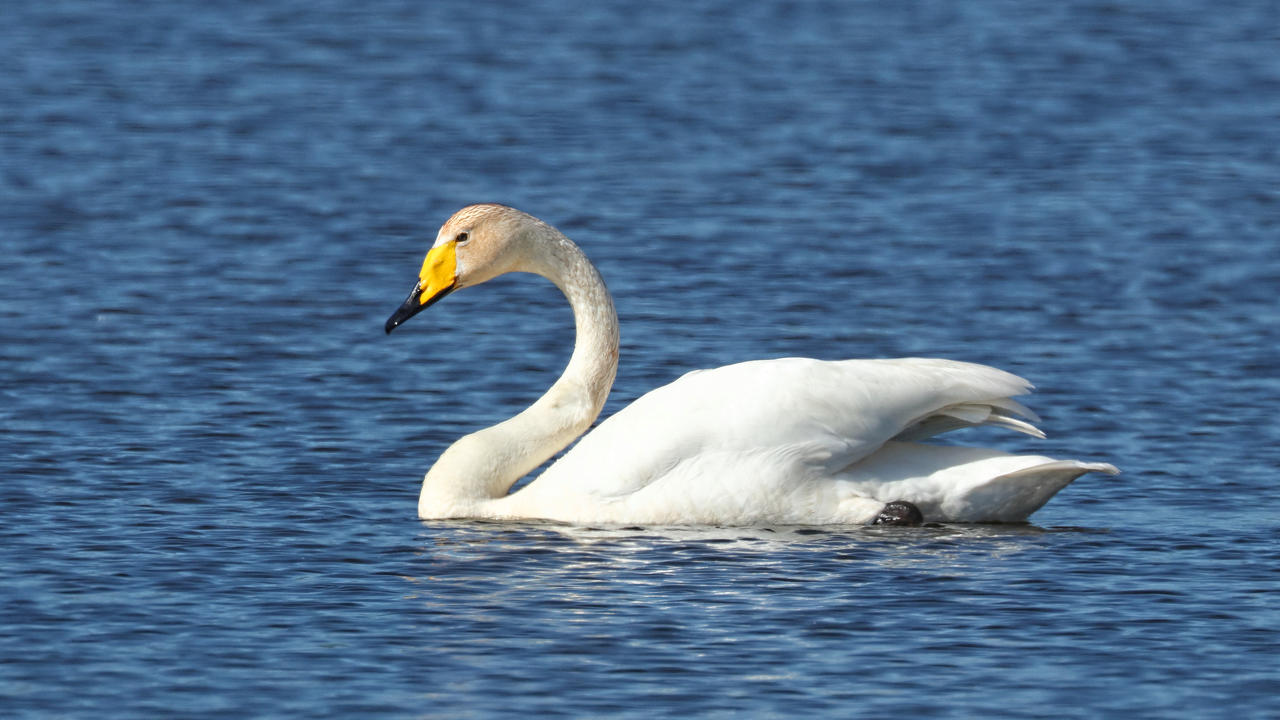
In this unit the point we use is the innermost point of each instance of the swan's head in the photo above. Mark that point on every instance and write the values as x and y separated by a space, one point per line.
477 244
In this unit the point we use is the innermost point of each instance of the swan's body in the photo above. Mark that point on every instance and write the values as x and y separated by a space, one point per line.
790 441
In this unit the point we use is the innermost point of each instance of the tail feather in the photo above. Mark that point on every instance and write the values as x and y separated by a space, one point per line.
1001 412
1013 496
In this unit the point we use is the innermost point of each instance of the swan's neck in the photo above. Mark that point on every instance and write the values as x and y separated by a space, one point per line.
482 466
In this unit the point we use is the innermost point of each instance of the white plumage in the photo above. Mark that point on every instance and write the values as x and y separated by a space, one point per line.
789 441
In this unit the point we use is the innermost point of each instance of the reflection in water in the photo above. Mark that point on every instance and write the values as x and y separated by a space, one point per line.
449 543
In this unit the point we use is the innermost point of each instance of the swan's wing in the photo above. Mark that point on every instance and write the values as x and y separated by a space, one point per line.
810 418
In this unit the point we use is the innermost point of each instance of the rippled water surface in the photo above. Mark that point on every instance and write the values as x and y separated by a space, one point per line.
209 451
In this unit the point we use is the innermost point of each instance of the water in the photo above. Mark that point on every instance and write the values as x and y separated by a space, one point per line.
210 452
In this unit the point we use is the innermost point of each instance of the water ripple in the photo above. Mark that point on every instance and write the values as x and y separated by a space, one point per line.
211 452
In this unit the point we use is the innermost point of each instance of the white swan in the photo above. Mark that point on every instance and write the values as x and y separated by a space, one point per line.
790 441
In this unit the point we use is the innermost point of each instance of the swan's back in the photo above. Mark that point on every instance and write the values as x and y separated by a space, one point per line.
786 427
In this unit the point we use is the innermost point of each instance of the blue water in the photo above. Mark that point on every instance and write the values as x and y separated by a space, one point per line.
210 452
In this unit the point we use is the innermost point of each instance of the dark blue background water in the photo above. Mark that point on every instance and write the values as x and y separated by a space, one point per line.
210 453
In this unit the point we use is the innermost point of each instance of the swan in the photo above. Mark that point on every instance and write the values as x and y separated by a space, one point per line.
790 441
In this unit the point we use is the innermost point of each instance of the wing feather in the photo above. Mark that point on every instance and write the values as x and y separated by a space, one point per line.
809 416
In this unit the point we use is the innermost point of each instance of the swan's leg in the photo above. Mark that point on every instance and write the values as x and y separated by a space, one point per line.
899 512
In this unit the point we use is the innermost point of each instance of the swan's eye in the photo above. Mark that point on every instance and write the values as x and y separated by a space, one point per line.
461 238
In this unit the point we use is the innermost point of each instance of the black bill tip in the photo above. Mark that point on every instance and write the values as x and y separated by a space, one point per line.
410 307
413 305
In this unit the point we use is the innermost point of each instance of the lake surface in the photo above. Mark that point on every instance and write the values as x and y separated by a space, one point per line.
210 452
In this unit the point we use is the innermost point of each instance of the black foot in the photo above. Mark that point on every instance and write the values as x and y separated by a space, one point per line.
899 512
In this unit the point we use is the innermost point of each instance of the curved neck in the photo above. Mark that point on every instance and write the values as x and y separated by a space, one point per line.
485 464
